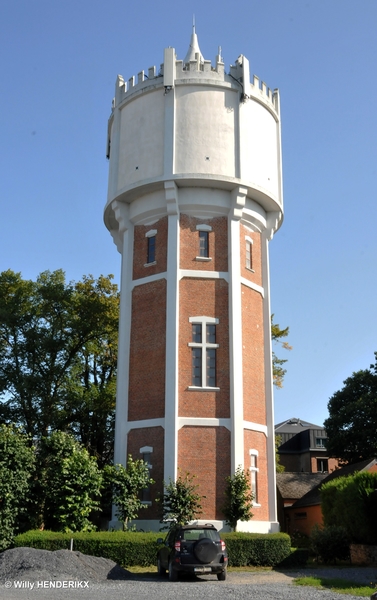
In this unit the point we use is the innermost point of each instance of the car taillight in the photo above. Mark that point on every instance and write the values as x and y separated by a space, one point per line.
177 546
223 546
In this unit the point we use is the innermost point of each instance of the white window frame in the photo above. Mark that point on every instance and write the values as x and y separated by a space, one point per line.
254 470
204 345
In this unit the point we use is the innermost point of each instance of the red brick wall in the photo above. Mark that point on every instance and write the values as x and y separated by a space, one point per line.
253 356
218 244
205 453
254 440
333 463
141 249
203 297
147 352
154 437
254 275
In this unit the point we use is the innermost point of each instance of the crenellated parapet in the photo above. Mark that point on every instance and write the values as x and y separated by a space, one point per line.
175 72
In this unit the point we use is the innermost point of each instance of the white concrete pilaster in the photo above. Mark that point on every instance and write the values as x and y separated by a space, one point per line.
238 199
172 333
126 230
269 388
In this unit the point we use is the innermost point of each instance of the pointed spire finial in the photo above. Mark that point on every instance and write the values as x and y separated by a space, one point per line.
194 46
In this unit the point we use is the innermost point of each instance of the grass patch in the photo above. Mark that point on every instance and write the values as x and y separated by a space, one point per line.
149 570
342 586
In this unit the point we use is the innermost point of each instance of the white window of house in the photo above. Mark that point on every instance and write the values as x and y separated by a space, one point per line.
249 253
203 352
254 470
203 231
320 442
146 455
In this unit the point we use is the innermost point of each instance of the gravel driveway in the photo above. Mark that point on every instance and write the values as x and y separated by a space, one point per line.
272 585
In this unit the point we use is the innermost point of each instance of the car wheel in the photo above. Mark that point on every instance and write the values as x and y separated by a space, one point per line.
221 576
205 550
160 568
173 574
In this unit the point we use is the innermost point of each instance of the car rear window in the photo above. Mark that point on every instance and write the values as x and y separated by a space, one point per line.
191 535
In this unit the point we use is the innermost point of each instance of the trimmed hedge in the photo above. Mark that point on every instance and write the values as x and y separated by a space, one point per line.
257 549
126 548
129 548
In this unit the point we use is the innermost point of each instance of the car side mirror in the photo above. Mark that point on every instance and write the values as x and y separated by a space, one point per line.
160 541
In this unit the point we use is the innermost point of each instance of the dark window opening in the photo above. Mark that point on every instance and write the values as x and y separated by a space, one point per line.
322 465
151 257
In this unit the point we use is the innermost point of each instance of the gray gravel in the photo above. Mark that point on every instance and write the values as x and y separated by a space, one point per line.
61 575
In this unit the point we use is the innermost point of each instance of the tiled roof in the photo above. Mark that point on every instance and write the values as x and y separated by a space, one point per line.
295 425
296 485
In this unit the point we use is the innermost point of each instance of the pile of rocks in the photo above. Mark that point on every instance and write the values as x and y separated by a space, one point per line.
31 564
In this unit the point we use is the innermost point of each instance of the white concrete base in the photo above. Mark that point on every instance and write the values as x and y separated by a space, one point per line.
244 526
258 526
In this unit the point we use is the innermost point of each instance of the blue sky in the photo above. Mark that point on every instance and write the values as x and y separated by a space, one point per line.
59 62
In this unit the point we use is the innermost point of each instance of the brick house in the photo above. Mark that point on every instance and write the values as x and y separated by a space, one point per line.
303 447
306 512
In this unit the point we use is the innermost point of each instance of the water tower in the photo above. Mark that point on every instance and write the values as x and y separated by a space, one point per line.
194 196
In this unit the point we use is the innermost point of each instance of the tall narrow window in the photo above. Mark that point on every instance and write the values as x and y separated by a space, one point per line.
249 254
203 244
146 457
203 349
254 474
151 256
203 230
151 246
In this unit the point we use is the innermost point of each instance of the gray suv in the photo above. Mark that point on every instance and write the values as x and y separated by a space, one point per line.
195 549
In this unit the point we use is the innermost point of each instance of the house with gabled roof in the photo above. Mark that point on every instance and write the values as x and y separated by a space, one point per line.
302 447
306 512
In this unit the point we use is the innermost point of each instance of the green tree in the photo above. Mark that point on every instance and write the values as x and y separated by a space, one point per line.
352 423
125 485
279 467
69 483
180 502
58 345
239 498
16 469
278 370
351 502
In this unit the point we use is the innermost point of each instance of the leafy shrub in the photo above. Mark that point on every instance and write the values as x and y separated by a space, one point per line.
256 549
330 543
297 558
351 502
300 540
16 469
239 499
